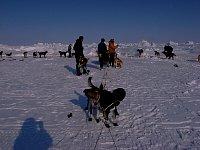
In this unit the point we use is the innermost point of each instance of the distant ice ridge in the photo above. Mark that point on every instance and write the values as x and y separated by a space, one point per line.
91 49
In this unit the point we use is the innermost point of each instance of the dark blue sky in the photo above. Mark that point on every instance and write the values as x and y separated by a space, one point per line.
24 22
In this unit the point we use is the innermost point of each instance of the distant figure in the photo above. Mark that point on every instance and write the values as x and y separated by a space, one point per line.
78 47
102 53
112 52
168 49
140 51
168 52
35 54
199 58
69 50
157 53
25 54
1 53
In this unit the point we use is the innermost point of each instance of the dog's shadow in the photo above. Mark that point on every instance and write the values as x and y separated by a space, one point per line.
81 102
70 69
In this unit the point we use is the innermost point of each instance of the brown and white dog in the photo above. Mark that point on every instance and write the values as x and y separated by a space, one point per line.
118 63
199 58
104 101
140 51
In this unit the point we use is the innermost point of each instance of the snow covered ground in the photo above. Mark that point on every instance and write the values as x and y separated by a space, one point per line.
160 111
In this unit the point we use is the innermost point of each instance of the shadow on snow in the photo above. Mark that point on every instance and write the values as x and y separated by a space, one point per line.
81 102
33 136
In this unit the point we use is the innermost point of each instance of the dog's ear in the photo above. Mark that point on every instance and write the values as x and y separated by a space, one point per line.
101 87
90 82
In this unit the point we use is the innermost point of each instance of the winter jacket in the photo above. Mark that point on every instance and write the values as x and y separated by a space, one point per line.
78 47
102 48
112 47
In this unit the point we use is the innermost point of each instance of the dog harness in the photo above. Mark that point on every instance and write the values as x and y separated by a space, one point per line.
111 104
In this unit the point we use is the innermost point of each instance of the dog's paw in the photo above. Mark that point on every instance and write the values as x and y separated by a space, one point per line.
89 119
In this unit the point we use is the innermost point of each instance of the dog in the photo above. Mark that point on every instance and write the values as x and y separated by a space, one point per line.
168 52
140 51
82 65
157 53
104 100
35 54
63 53
118 62
42 53
169 55
199 58
1 53
8 54
25 54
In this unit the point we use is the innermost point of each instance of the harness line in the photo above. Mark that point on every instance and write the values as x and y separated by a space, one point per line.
112 138
98 138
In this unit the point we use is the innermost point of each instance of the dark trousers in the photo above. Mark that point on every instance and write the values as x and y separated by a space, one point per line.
101 61
70 54
111 60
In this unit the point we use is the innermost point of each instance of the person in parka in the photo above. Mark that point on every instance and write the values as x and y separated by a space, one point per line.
102 53
78 47
112 52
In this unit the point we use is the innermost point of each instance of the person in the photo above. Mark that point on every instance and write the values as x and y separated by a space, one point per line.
102 53
69 50
78 47
111 49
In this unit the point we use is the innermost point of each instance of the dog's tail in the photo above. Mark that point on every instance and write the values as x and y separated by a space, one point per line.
90 83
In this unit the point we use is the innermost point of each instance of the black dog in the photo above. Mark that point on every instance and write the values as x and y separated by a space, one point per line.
169 55
140 52
8 54
35 54
42 53
62 53
1 53
25 54
104 100
168 52
157 53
